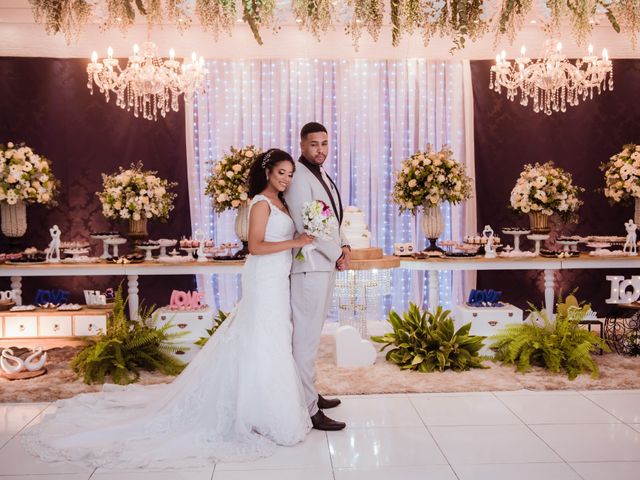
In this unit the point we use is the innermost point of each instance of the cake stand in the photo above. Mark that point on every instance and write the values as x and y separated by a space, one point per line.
114 242
190 251
148 249
568 245
516 237
76 253
538 237
164 243
105 247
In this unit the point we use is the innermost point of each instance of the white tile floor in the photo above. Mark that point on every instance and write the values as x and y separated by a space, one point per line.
503 435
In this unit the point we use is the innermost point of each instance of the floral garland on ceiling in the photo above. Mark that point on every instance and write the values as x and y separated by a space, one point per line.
459 19
367 15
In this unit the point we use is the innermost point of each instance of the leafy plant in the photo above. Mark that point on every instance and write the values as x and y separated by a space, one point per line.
560 345
218 319
128 347
426 341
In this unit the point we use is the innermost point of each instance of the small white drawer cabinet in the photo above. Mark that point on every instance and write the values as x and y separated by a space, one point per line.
194 323
52 324
486 321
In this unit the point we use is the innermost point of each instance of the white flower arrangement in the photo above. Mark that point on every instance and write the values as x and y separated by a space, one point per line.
430 178
228 184
25 176
136 194
546 189
622 174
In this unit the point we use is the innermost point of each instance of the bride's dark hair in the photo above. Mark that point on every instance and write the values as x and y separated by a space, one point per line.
263 165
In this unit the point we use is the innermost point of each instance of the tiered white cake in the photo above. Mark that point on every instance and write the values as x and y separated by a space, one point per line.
355 228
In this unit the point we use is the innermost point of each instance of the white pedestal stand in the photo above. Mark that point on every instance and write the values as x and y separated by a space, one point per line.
538 237
516 237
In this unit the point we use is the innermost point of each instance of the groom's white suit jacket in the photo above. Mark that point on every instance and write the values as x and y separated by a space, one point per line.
305 187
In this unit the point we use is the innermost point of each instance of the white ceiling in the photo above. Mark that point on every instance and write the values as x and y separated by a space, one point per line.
21 36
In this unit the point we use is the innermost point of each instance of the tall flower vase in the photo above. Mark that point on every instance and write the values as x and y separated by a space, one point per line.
242 229
14 219
138 228
636 212
539 223
432 226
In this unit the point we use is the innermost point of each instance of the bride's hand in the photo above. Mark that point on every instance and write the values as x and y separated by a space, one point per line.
303 239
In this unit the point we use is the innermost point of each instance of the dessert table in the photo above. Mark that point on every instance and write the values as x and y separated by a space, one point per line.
132 271
548 264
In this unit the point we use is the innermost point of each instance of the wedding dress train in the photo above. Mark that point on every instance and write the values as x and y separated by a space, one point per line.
238 398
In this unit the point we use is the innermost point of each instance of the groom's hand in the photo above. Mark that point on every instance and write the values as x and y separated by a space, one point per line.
345 259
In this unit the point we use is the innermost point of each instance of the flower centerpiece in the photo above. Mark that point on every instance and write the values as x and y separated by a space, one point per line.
228 188
136 195
622 177
426 179
25 177
545 190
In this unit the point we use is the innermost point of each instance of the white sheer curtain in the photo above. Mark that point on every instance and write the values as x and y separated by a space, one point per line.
377 113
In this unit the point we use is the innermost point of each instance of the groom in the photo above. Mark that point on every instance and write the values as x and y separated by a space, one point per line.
312 282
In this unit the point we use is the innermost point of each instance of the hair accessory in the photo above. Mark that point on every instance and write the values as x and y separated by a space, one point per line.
266 158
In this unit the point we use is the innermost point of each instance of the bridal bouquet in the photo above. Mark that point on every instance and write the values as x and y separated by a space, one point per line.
546 189
136 194
318 221
430 178
25 176
622 174
227 186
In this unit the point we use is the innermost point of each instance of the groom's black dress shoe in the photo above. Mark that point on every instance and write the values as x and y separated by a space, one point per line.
321 422
324 403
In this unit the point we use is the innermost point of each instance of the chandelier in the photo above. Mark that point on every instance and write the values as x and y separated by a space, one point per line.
148 84
552 82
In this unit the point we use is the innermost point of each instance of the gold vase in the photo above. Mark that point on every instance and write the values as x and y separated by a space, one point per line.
14 219
539 222
138 228
242 229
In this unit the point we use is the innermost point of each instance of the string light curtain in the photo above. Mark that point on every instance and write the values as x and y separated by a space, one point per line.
377 113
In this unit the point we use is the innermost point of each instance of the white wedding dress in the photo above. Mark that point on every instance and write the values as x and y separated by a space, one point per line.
238 398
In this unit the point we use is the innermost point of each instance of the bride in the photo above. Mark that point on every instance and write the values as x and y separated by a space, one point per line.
238 398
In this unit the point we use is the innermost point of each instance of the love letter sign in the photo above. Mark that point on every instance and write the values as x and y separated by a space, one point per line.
185 300
51 296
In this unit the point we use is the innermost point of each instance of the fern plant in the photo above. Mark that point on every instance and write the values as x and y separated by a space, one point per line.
218 319
559 345
128 347
426 341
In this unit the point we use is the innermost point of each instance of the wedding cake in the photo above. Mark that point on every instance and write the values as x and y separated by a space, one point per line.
355 228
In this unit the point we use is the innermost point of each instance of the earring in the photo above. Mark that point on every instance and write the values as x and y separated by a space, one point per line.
267 176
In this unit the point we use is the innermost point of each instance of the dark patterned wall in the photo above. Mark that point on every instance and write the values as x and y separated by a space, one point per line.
46 104
508 135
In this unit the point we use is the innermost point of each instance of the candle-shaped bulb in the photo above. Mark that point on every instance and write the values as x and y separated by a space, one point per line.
94 56
497 58
605 54
503 55
136 49
590 49
194 57
523 50
172 53
559 47
201 61
110 52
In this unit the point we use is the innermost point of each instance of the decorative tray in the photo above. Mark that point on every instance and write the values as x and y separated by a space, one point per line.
558 254
457 255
